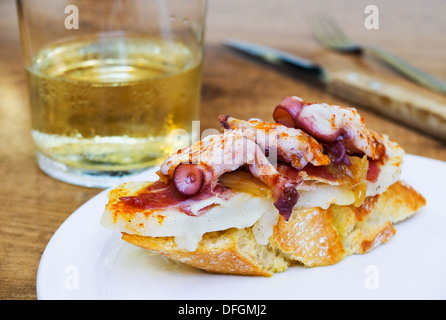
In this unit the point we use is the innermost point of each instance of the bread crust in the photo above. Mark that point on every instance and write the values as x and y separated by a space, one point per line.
317 237
312 237
309 237
217 252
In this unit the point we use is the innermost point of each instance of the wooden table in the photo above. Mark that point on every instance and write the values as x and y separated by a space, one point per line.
34 205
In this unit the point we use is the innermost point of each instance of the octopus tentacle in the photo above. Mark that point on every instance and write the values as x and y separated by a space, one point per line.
200 166
293 146
330 124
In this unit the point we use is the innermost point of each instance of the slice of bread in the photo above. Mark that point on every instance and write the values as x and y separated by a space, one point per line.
312 237
232 251
317 237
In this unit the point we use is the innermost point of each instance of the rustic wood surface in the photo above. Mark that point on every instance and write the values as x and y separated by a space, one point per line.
34 205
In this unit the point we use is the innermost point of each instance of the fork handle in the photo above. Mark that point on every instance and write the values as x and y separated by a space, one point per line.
406 69
411 108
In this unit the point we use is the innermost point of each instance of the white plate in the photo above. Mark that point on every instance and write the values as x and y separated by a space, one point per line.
84 260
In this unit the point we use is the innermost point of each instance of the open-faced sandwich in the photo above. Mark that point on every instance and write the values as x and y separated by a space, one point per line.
310 188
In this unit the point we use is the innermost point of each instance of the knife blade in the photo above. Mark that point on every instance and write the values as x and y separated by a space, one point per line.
277 57
413 109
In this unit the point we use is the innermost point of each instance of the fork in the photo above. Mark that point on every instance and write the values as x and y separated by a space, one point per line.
331 36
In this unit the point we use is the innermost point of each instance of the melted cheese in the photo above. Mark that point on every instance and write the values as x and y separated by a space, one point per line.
240 211
243 210
323 196
390 170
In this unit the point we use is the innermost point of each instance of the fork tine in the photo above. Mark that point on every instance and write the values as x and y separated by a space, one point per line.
330 35
320 32
324 32
340 36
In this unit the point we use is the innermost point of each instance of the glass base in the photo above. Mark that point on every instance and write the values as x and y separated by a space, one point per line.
84 177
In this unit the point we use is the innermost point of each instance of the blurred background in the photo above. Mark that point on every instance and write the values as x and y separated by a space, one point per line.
413 30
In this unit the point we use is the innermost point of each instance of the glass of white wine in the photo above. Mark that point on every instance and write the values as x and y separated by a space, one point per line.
109 81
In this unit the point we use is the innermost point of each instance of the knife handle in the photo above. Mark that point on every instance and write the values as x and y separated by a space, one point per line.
409 107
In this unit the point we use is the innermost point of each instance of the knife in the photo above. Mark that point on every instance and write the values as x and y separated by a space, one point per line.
405 106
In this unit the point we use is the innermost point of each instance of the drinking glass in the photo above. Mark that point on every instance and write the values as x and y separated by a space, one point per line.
109 81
